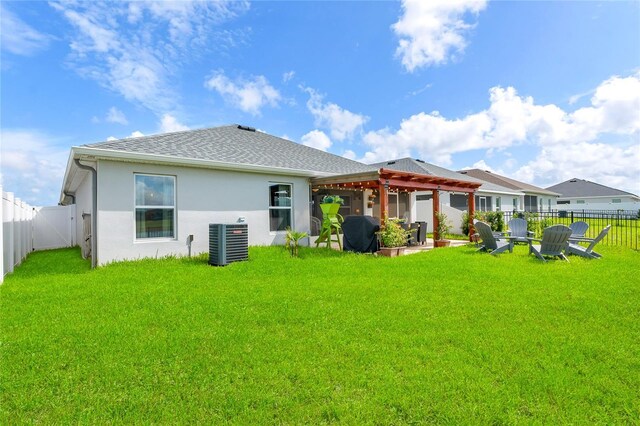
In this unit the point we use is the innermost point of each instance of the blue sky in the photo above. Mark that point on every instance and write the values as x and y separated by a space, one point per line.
539 91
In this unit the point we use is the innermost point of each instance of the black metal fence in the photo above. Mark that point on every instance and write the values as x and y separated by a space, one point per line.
625 224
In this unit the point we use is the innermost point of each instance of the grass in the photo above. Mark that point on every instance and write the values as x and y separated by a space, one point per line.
447 336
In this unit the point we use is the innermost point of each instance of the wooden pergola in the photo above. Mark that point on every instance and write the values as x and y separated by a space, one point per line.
385 180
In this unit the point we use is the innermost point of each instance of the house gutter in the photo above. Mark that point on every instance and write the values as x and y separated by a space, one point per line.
71 195
94 213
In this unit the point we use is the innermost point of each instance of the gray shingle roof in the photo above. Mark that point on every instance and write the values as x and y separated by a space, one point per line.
230 144
408 164
584 188
507 182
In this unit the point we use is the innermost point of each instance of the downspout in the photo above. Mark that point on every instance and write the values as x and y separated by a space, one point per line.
71 195
94 213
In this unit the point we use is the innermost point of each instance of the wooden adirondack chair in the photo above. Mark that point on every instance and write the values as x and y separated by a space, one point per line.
518 230
574 248
490 242
554 241
578 229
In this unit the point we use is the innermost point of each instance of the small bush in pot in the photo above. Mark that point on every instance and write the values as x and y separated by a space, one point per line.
392 237
443 228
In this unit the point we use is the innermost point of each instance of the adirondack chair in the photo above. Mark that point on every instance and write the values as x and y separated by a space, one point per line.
490 242
578 229
574 248
554 241
518 230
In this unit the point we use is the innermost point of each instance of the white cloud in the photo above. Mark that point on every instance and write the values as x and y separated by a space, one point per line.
248 95
114 115
33 165
432 32
288 76
136 134
349 154
138 48
570 143
341 123
316 139
169 123
18 37
112 138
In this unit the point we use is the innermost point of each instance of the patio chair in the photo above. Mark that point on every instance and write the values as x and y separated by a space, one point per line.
518 230
554 241
578 229
574 248
490 242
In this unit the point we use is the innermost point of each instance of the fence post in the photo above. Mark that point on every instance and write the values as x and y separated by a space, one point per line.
8 238
571 216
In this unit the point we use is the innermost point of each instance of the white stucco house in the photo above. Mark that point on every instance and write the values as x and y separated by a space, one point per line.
143 197
580 194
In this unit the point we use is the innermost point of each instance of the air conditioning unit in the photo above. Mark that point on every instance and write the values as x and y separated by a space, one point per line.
228 243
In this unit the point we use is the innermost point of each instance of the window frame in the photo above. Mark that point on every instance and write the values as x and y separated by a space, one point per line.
136 207
616 201
270 207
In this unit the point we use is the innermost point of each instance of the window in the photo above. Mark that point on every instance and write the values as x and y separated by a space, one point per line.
423 197
563 202
616 200
155 205
515 204
579 201
498 203
549 204
279 206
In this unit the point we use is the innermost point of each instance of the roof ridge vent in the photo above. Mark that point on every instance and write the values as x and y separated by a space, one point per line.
573 180
247 128
419 160
390 163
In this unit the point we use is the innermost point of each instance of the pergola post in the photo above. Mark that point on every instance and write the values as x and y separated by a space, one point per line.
384 202
436 210
472 212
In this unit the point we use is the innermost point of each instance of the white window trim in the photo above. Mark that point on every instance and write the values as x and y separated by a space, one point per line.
269 207
174 207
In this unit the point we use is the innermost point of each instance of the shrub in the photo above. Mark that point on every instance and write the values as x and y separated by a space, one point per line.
493 219
392 234
292 239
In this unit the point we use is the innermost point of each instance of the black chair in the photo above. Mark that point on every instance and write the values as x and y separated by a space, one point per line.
421 235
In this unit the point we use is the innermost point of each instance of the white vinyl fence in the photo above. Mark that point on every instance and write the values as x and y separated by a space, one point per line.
26 228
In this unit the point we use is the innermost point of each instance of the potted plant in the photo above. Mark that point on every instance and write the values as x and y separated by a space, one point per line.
393 238
442 230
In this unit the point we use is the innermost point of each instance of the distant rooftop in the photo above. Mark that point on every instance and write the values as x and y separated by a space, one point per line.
413 165
575 187
506 182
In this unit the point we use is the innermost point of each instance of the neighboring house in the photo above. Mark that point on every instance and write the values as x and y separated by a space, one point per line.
151 193
532 198
146 196
489 197
580 194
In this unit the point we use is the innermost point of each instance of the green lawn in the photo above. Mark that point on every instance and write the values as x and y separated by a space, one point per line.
449 336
